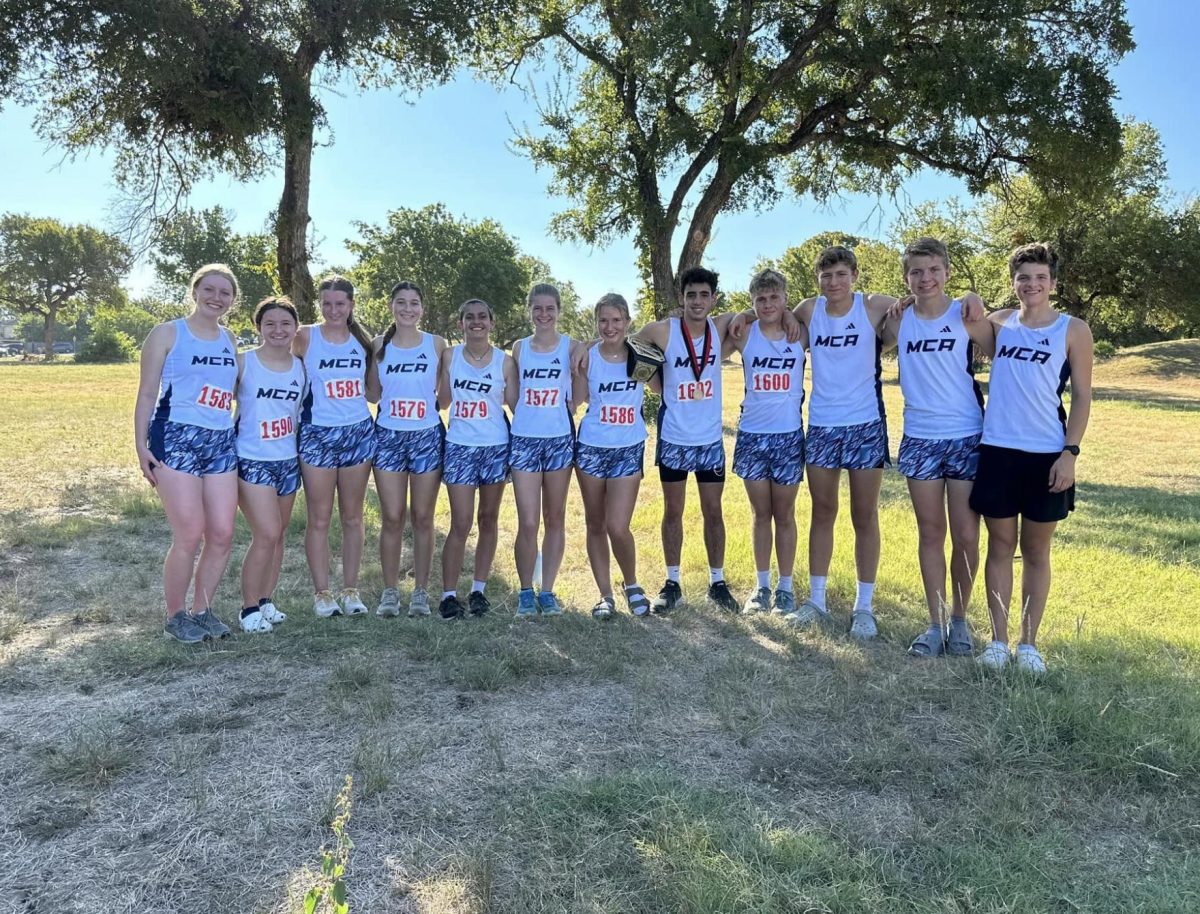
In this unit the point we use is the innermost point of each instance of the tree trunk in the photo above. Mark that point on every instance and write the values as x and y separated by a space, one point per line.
662 277
291 224
710 205
48 332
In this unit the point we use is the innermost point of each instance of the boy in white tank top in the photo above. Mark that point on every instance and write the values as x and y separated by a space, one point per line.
1030 443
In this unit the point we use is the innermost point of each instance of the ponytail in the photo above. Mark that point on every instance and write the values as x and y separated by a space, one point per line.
387 338
360 334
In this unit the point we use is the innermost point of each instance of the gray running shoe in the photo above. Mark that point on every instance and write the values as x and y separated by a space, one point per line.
808 613
418 604
785 602
389 603
183 628
758 602
208 621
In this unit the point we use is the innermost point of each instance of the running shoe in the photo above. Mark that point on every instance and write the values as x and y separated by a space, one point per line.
994 657
604 608
352 603
389 603
1030 660
255 622
784 603
324 605
548 603
808 613
418 604
718 593
271 613
668 598
450 608
208 621
758 602
863 625
183 628
479 604
526 605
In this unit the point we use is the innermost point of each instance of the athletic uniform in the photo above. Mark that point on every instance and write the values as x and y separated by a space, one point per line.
268 410
1025 427
770 438
943 405
192 428
336 428
612 433
477 439
847 427
689 420
543 436
409 437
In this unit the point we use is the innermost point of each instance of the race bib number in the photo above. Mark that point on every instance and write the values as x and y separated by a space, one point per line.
406 409
542 396
617 415
215 398
772 382
696 390
274 429
344 389
470 409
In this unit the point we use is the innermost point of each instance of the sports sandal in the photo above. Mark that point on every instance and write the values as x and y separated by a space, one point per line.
604 608
958 638
639 603
930 643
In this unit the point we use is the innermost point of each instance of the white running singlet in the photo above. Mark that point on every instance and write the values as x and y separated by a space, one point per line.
477 416
545 379
1029 373
198 380
941 397
336 381
845 355
268 409
691 406
408 386
774 371
614 413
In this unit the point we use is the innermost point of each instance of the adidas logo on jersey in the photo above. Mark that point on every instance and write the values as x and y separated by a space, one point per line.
556 362
488 375
787 349
355 351
226 350
421 356
295 384
1044 341
850 326
946 329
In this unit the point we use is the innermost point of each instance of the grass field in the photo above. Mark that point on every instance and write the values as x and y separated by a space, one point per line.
700 763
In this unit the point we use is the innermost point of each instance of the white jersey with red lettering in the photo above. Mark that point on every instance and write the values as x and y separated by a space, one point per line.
336 381
198 380
774 373
477 416
847 384
1029 373
408 386
614 414
545 379
268 409
942 399
691 405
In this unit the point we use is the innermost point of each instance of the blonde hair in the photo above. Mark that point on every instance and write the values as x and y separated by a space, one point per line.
612 300
768 279
209 269
926 247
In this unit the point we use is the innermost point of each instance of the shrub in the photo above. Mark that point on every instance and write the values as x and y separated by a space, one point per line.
107 344
1105 349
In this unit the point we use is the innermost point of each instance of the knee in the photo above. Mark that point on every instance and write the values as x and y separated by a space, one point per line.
618 531
785 519
824 511
219 536
189 538
489 519
1001 544
864 521
422 518
318 522
526 526
460 527
392 521
554 522
598 526
268 537
965 537
931 534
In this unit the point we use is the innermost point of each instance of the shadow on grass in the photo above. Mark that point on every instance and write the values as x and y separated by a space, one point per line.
1137 520
1150 398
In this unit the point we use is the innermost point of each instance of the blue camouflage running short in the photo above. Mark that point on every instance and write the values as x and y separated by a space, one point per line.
541 455
331 447
777 456
848 447
416 451
281 475
939 458
690 458
610 462
192 449
466 465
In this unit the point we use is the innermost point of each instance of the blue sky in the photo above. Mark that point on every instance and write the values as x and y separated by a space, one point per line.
451 145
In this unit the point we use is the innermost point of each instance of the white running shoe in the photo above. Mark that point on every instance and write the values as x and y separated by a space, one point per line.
256 622
994 657
271 613
352 603
389 603
1030 660
863 625
324 605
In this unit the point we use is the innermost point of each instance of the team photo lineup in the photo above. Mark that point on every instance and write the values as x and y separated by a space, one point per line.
325 408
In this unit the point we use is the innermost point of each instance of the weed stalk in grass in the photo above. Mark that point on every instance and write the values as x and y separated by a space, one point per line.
329 892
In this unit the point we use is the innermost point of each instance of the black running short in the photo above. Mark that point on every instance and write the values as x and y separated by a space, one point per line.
1011 482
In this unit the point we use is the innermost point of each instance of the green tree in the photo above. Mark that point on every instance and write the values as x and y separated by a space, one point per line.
55 271
878 265
665 114
184 89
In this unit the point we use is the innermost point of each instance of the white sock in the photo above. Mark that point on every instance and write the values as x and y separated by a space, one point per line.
449 593
478 586
866 594
673 573
785 583
816 589
715 574
633 586
764 578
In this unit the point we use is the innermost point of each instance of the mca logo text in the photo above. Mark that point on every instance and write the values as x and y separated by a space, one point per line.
468 384
213 360
837 341
614 386
275 393
930 346
683 361
774 362
542 373
408 368
340 363
1024 354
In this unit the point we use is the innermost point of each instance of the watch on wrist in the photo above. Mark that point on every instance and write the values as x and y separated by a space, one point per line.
1072 449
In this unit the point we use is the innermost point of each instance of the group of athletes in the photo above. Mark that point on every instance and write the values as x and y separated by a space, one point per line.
303 413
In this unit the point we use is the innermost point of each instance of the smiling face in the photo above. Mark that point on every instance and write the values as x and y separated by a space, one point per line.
476 321
837 281
769 304
697 299
213 295
543 312
336 307
1033 285
611 324
926 277
277 328
407 308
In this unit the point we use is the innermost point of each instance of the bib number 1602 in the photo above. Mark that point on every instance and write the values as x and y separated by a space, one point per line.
696 390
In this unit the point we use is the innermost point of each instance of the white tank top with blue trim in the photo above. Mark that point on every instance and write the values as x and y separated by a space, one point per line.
542 404
336 381
477 416
847 386
691 406
937 376
774 374
614 413
408 386
1029 374
198 380
268 409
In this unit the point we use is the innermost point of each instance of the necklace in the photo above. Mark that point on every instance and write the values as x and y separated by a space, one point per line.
477 358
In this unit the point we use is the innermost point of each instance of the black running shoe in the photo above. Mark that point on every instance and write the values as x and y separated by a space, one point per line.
450 608
478 603
719 593
668 598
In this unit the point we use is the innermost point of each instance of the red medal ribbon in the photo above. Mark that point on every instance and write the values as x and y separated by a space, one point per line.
697 366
